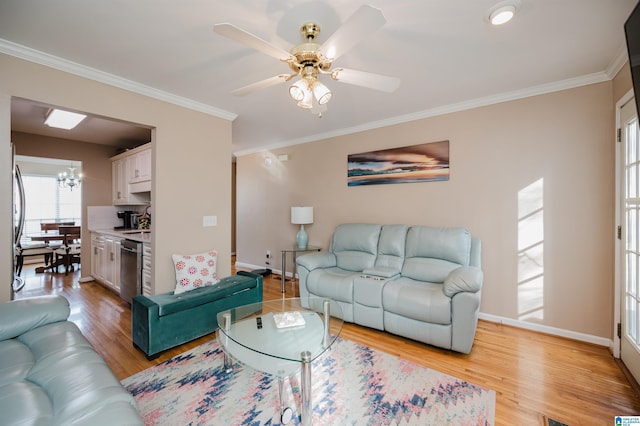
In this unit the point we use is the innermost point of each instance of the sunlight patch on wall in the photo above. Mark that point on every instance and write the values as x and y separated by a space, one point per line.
531 252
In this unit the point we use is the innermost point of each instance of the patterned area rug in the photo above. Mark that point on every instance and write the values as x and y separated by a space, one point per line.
351 385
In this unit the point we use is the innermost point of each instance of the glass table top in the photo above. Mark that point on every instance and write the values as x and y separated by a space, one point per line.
274 336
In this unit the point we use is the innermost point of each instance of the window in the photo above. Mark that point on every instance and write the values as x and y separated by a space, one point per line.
46 201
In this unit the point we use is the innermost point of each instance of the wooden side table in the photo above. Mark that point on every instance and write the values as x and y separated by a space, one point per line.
294 250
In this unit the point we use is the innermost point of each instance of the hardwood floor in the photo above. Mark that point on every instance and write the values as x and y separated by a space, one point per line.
533 374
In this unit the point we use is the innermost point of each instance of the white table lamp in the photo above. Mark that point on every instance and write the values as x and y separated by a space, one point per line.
302 216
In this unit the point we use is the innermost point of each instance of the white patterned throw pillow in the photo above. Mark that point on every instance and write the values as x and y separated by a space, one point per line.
195 270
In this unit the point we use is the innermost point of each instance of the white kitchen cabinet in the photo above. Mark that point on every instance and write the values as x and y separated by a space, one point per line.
131 176
111 262
140 166
146 269
105 260
97 256
120 180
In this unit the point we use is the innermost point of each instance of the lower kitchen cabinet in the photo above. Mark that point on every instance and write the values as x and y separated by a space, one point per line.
105 260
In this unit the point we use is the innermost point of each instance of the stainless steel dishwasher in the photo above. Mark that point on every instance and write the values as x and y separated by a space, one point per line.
130 269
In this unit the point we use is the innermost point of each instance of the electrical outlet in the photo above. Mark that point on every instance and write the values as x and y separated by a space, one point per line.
209 221
268 254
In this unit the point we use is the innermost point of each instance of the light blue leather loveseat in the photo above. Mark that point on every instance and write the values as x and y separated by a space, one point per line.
51 375
419 282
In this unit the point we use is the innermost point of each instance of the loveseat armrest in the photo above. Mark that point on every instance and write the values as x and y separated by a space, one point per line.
464 278
19 316
381 272
313 261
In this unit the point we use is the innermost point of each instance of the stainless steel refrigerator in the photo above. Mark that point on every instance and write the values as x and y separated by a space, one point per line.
18 219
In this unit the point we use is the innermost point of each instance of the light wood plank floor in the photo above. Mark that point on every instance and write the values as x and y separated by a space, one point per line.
533 374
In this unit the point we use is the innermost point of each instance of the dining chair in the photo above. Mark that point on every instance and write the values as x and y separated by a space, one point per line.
69 252
33 249
50 227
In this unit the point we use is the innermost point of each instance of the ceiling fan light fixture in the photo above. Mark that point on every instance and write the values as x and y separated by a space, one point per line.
502 13
307 101
297 90
322 93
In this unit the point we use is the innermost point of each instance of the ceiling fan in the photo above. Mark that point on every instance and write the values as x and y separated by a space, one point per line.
309 60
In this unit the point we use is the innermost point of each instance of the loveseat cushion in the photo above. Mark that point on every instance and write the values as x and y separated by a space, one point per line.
428 269
169 303
51 342
355 245
16 360
432 253
24 403
422 301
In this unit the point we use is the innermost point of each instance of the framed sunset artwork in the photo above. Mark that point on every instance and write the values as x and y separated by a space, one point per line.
425 162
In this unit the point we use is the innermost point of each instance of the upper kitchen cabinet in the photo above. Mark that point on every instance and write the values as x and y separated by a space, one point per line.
140 166
131 176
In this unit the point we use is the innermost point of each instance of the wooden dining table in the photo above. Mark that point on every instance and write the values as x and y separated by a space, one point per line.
53 236
58 235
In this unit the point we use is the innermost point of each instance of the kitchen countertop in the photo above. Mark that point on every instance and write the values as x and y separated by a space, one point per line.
129 234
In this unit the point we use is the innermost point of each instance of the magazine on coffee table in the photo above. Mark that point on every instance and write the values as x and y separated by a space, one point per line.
288 319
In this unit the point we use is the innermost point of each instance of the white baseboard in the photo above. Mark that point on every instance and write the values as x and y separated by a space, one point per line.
86 279
596 340
250 266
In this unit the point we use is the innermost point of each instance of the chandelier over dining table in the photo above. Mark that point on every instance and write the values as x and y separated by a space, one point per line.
69 180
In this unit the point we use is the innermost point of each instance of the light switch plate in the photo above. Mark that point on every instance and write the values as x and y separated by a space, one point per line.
209 220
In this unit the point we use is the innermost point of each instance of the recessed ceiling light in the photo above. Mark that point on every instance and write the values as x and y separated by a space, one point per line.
63 119
502 13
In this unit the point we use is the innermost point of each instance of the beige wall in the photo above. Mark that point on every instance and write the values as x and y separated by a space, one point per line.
191 160
622 83
564 139
96 173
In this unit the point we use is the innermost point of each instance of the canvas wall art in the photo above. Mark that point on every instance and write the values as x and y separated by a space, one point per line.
416 163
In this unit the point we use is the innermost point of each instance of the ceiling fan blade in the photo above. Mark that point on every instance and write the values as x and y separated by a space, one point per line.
366 79
358 26
238 34
263 84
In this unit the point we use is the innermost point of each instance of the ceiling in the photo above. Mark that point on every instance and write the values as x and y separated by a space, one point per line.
28 117
445 52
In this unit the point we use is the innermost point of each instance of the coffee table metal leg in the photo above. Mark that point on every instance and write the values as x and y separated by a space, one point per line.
226 326
286 413
284 271
305 388
326 305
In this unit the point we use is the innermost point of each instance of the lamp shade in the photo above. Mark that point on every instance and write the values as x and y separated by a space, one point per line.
301 215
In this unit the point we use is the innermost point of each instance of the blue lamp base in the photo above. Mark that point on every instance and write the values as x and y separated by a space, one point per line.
302 238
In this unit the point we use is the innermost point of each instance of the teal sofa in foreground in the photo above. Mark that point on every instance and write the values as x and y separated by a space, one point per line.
51 375
168 320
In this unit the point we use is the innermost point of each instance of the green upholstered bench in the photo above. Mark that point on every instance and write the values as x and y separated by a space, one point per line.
168 320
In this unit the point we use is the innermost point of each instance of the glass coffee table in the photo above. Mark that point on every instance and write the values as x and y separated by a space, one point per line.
281 337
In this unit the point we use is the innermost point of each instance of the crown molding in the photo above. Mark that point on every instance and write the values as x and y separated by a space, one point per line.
38 57
618 62
542 89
